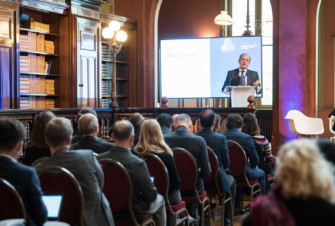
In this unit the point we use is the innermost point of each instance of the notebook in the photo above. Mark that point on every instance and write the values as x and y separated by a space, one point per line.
53 204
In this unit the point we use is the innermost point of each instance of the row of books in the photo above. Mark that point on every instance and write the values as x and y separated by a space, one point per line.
106 54
36 103
106 87
33 63
38 26
36 42
107 71
31 84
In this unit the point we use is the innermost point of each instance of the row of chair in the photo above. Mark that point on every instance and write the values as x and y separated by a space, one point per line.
57 180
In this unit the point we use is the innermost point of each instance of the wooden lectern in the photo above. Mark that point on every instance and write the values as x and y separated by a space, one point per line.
239 95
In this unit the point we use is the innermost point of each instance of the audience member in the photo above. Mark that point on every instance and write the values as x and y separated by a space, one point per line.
39 147
306 192
196 145
218 143
77 135
165 121
146 200
265 155
136 119
174 117
83 165
327 148
152 141
217 120
23 178
88 126
234 126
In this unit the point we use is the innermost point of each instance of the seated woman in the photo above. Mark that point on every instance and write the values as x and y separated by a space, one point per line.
261 142
38 147
332 117
151 140
305 194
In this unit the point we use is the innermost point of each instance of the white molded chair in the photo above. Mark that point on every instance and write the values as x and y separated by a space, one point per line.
303 125
331 123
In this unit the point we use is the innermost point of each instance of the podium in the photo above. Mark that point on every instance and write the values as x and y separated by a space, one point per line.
239 95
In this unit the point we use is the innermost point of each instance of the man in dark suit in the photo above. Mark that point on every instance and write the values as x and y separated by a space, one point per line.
146 200
23 178
88 126
234 125
242 76
83 165
218 143
181 137
165 121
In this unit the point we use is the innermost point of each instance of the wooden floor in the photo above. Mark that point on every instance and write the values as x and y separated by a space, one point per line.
218 217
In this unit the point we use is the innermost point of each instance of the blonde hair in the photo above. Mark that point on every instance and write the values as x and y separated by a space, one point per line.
303 172
151 138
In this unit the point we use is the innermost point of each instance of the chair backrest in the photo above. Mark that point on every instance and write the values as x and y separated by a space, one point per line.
11 203
304 125
213 176
118 187
238 160
158 171
58 180
187 169
213 160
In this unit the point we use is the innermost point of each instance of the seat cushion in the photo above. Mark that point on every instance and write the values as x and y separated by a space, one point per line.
192 199
177 207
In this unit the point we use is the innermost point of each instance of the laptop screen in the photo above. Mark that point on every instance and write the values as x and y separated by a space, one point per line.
53 204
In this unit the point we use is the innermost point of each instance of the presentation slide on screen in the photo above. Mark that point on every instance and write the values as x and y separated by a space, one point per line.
197 68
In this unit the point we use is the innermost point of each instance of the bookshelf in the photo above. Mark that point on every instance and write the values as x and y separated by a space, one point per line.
39 59
126 65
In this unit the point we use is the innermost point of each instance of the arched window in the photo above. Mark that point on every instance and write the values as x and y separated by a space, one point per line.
260 14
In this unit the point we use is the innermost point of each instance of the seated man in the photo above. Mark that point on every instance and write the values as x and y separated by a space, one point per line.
234 126
218 143
83 165
88 126
146 200
23 178
181 137
165 121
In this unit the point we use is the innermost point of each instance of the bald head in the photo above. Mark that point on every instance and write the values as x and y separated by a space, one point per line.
88 124
123 130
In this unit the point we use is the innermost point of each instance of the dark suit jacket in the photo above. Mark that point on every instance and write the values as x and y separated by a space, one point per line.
26 182
196 145
247 144
332 114
232 78
144 191
94 144
165 130
218 143
85 167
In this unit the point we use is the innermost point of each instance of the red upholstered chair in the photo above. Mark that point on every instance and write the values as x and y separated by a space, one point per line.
238 164
212 186
118 189
58 180
11 203
188 174
159 171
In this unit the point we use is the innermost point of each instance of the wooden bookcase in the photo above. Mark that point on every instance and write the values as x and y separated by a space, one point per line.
39 61
126 63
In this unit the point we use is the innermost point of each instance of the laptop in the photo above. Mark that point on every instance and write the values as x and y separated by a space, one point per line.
53 204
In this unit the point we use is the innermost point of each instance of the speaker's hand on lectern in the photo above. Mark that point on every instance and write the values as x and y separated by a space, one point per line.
256 83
